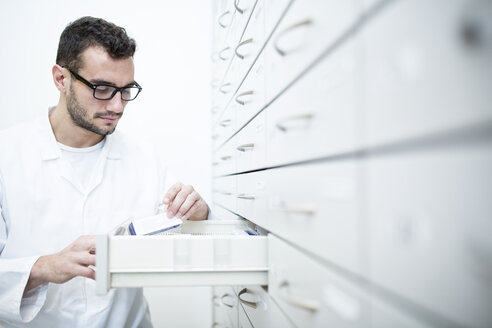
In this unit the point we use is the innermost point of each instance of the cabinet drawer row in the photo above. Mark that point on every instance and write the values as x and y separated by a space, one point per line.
234 60
317 117
230 20
415 222
247 306
294 45
386 84
301 292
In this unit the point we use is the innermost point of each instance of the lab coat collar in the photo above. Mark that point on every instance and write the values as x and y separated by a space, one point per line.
50 149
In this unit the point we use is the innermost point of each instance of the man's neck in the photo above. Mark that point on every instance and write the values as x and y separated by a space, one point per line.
67 133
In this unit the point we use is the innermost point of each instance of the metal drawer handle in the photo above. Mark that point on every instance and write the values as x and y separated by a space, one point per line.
245 196
225 88
240 55
283 125
245 147
242 94
225 123
223 192
308 209
248 303
282 52
236 5
226 157
220 20
226 304
309 305
223 54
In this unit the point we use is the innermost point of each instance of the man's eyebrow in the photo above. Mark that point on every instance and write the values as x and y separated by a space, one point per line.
100 81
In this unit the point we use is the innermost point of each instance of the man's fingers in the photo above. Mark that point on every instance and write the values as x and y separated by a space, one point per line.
192 210
187 205
84 271
84 243
178 201
86 259
172 192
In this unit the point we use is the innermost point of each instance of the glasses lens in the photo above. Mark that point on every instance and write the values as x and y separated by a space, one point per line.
129 93
105 92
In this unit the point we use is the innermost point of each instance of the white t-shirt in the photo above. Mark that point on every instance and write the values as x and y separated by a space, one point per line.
83 160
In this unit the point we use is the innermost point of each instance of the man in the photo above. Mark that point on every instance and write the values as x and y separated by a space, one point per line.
66 177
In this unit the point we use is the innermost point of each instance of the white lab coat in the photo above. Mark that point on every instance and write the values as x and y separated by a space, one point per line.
44 208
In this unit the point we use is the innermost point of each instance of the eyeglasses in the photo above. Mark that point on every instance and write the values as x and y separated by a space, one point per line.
106 91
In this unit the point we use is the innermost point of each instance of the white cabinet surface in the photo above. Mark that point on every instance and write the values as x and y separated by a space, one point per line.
435 249
365 137
351 156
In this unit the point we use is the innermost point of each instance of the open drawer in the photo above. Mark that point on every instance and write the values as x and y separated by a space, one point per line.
200 253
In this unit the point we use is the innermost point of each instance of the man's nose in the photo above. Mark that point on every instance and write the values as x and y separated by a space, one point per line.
116 105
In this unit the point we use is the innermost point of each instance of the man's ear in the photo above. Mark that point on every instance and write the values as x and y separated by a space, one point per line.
60 77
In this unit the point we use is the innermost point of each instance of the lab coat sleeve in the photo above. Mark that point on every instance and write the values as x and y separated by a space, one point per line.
15 305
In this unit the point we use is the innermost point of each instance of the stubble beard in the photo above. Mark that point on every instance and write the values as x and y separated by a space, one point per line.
80 118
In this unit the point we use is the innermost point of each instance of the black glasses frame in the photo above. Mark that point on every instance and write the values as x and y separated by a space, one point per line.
116 89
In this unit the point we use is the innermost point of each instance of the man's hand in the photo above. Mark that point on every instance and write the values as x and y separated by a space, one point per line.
185 203
71 262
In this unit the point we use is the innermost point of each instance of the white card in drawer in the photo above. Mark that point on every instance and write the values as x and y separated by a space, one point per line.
154 224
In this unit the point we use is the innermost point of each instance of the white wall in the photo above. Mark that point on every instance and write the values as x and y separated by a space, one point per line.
172 65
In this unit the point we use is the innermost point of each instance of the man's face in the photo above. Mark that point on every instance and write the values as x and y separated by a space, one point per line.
99 116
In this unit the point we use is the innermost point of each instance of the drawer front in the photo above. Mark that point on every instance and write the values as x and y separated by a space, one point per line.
275 9
425 78
221 60
243 319
252 197
384 315
310 294
222 21
206 253
250 98
261 309
429 214
319 115
248 49
221 213
250 151
307 29
242 13
225 307
224 92
224 160
322 213
225 192
223 128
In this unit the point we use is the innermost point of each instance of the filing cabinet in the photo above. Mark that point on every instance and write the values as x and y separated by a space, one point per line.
351 155
365 130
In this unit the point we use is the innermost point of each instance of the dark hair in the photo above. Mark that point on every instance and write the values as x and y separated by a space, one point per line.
87 32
